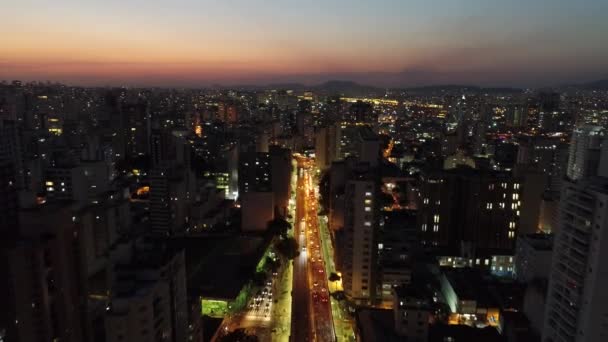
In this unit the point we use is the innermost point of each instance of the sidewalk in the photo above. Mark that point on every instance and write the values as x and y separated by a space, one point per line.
281 313
342 320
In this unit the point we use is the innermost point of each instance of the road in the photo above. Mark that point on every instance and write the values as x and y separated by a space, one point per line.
311 314
300 312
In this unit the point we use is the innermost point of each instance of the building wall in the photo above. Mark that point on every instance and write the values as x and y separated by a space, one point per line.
576 309
257 209
359 253
484 216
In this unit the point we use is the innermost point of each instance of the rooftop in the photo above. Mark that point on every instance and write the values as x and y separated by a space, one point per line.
219 266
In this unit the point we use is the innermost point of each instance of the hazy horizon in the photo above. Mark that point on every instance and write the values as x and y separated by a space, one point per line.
387 43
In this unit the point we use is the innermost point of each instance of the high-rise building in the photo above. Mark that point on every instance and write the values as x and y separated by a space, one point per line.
11 150
327 145
533 257
9 218
148 299
305 128
358 251
484 219
576 302
584 153
280 170
412 307
255 190
78 183
548 155
39 287
160 201
254 172
517 116
136 126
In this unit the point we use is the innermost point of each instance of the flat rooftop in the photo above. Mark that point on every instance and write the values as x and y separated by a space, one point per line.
219 266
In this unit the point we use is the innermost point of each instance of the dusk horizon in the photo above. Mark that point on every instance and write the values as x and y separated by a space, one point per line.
388 44
304 171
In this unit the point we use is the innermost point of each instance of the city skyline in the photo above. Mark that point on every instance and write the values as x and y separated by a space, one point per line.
387 43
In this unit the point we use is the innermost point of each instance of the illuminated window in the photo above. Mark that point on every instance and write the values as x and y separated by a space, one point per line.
367 224
436 218
501 205
515 197
368 194
511 234
435 227
489 206
368 201
516 186
424 227
426 201
368 209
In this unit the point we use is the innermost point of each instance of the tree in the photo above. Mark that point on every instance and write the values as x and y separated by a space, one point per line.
324 191
334 277
259 278
288 248
278 227
238 335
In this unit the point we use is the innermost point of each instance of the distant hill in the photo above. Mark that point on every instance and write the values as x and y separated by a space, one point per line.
452 88
595 85
347 88
337 87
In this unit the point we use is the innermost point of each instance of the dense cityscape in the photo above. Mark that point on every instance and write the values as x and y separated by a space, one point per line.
304 171
336 212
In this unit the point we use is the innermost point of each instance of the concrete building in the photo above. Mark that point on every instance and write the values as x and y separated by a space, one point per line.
484 221
576 302
9 218
359 255
149 299
584 151
255 172
172 195
79 183
533 257
160 201
412 309
327 145
39 289
257 209
280 170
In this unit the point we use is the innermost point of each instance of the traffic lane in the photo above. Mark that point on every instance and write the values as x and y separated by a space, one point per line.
301 329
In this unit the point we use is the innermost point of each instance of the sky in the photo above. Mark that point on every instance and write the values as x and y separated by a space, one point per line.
378 42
